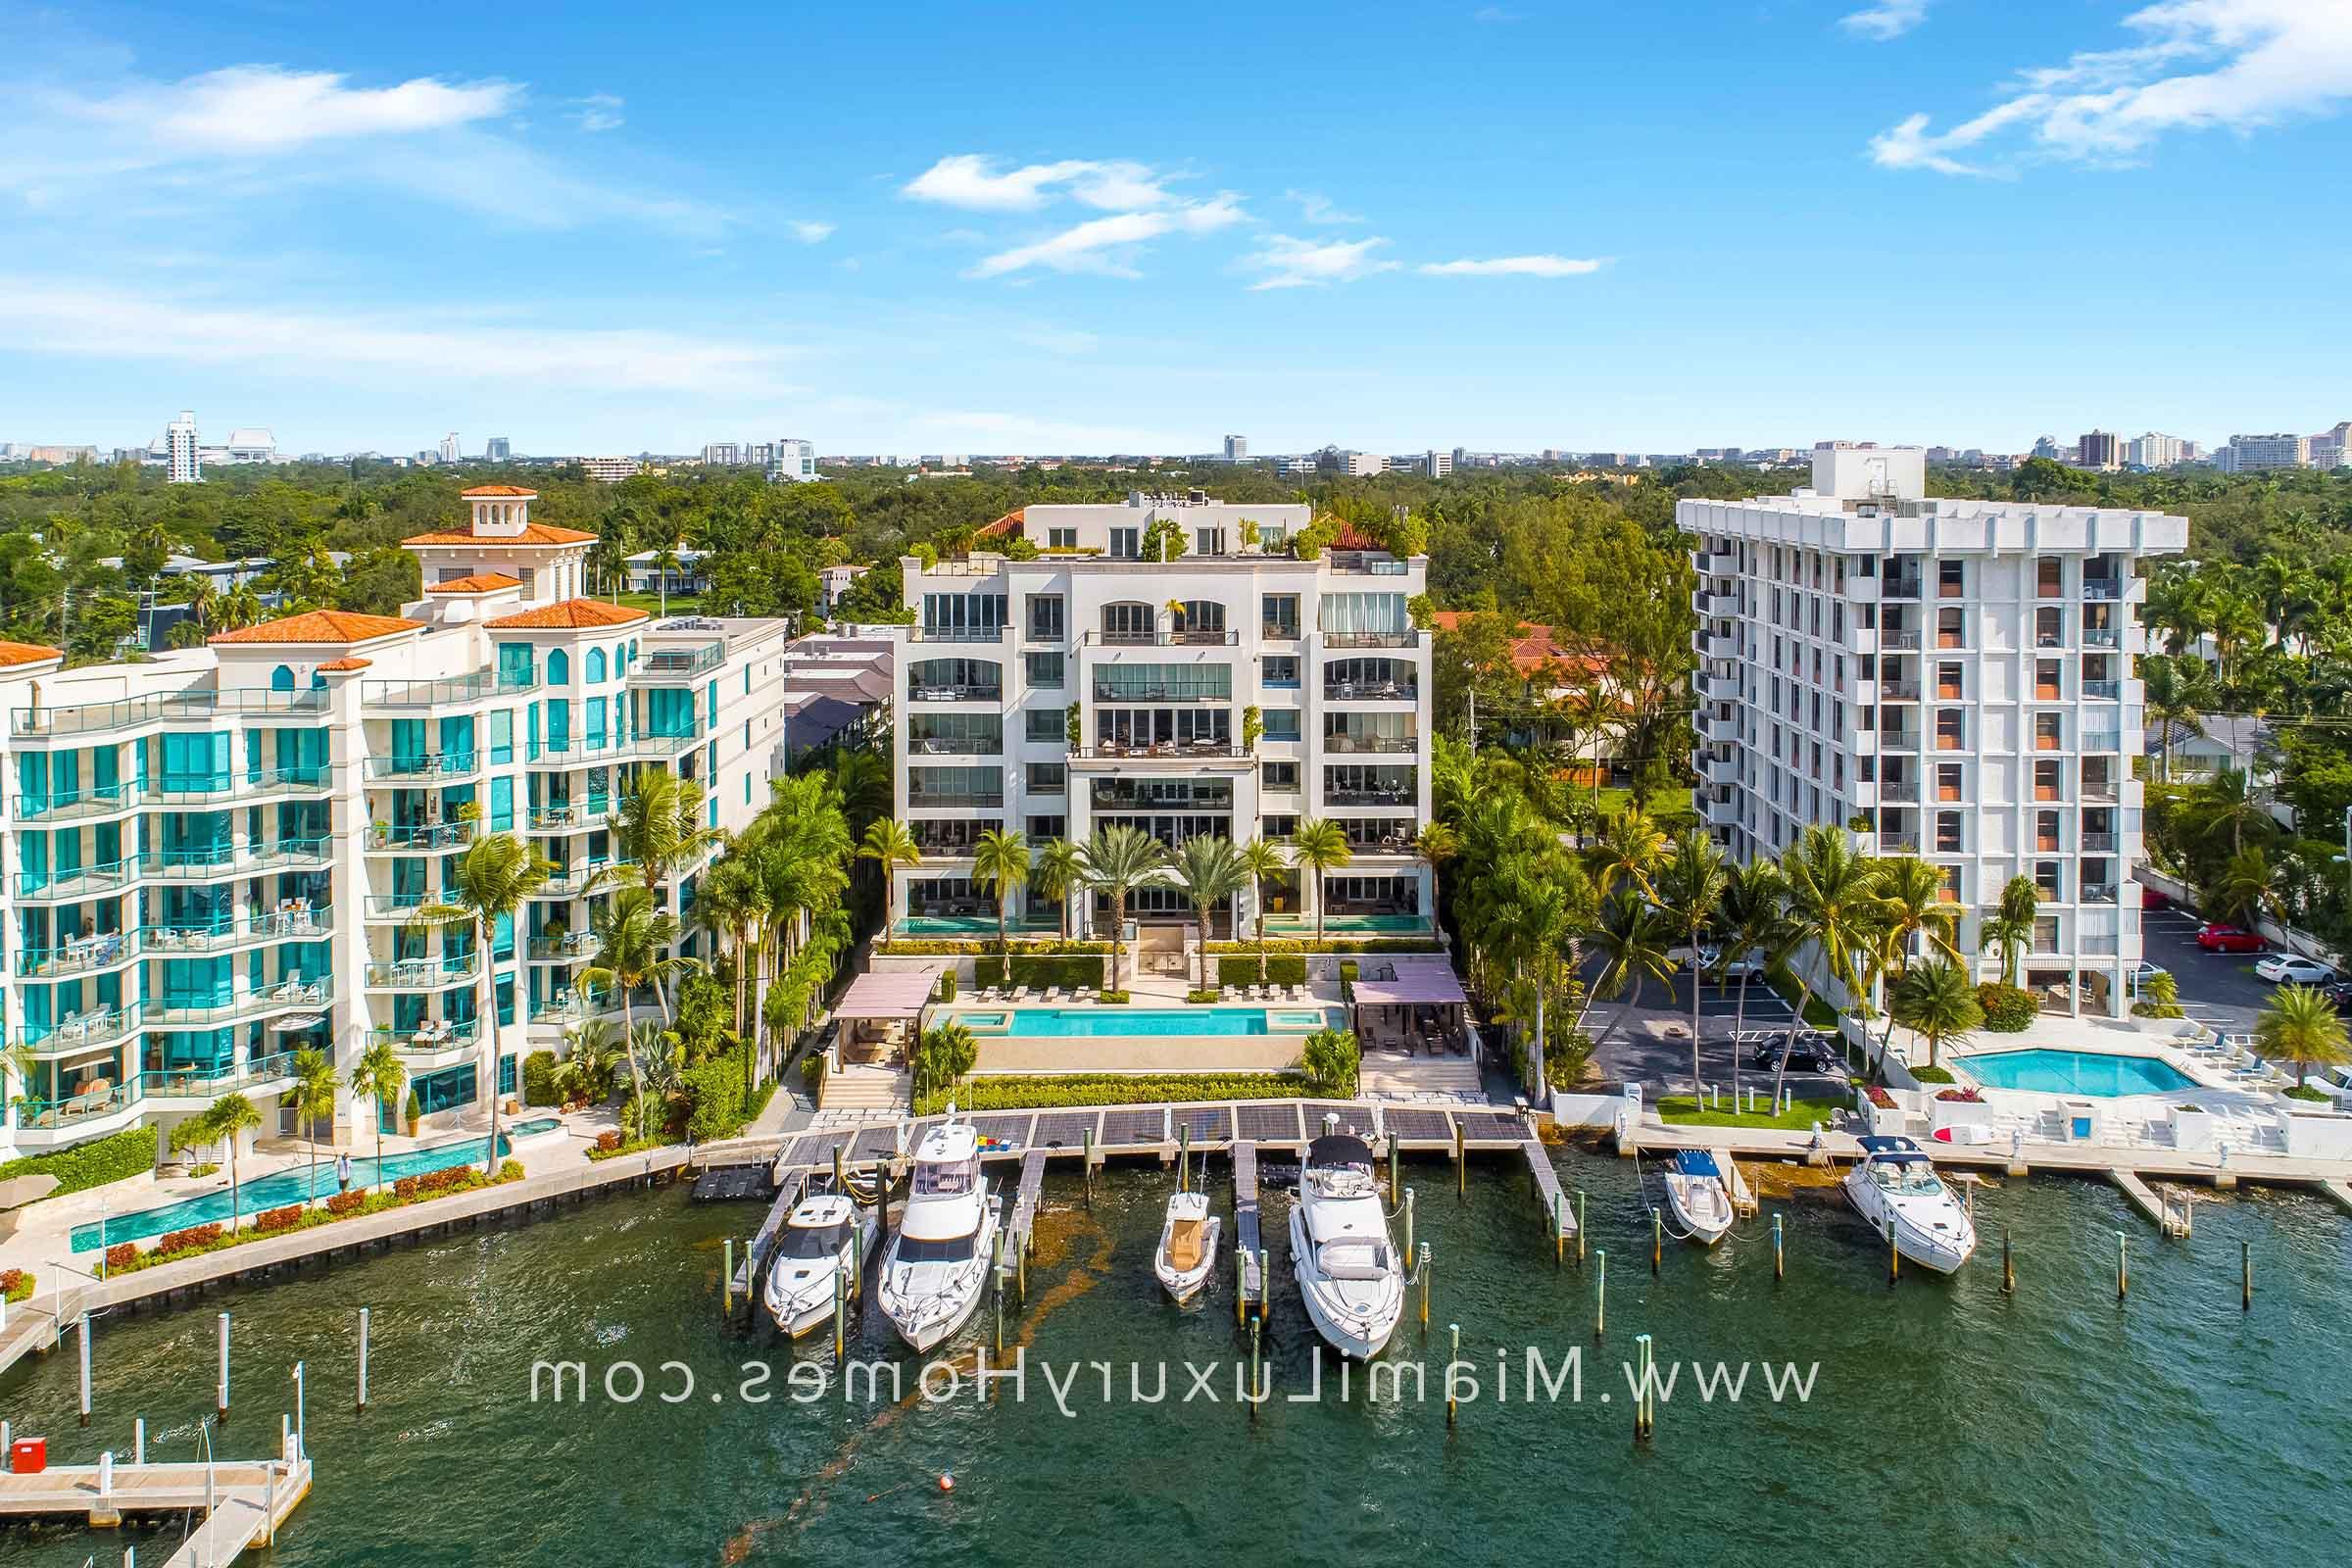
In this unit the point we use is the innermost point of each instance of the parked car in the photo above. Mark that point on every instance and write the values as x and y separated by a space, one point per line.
2292 968
2150 898
2336 1083
1805 1055
2140 973
1747 967
2214 937
2340 992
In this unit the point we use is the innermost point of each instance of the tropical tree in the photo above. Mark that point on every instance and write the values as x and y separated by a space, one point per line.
488 885
1262 862
655 1070
1116 862
1434 846
1626 852
594 1060
943 1055
2241 891
1634 939
379 1075
1208 870
1319 845
2299 1024
2179 693
224 1122
800 849
660 828
1831 906
1332 1058
1912 905
1690 888
890 844
2230 805
2010 928
1748 918
312 1097
1001 864
730 904
633 938
1056 873
1935 1002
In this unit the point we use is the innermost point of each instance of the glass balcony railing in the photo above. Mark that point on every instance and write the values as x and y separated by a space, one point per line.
571 944
75 805
205 861
423 974
675 664
82 1031
425 766
433 1034
230 789
99 1100
80 882
294 923
420 837
447 691
209 1083
80 956
283 995
197 707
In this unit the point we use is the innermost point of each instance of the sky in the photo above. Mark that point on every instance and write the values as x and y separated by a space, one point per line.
604 229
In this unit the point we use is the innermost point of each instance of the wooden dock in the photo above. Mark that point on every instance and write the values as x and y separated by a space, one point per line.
250 1500
1249 1244
1020 1235
1559 1219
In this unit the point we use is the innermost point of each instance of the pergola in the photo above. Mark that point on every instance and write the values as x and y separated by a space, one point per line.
1406 1000
875 1012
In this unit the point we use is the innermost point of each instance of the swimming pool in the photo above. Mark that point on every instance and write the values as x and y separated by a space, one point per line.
1116 1020
2094 1074
291 1187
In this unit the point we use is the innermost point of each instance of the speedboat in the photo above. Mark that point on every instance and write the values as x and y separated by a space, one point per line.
1895 1188
937 1266
1188 1247
823 1242
1348 1272
1700 1197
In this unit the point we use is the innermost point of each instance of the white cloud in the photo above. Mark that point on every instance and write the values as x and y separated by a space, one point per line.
598 111
1886 19
1290 262
1106 245
810 232
250 109
1317 208
974 181
2265 60
1513 267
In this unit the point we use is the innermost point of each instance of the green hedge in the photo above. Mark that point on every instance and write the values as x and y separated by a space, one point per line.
1336 945
539 1079
1282 969
2007 1009
1031 1093
719 1102
101 1161
966 947
1069 971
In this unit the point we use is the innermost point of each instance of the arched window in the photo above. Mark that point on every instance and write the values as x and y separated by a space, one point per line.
281 679
318 680
558 668
596 667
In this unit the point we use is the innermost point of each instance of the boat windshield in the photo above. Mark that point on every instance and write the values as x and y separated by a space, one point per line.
813 1240
947 1249
1911 1177
946 1178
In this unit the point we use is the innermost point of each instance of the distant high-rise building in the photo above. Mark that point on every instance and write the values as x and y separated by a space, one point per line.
2157 451
2100 449
611 470
496 450
722 455
1436 464
179 440
793 461
2046 447
448 447
2260 453
1237 448
2332 448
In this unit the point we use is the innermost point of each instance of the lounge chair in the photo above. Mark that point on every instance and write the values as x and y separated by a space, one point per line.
1083 994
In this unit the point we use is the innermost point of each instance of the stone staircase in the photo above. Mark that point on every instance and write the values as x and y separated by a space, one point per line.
851 1087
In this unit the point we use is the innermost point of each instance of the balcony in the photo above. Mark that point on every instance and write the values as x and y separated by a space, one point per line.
562 818
1707 605
2099 843
1899 587
1278 631
429 1038
924 692
2103 588
1110 690
956 800
1898 740
678 663
88 954
1722 647
1900 844
2102 637
2103 740
1357 563
1371 639
2098 791
200 1083
292 924
221 789
1161 751
1367 691
956 634
2098 892
76 884
1161 637
1367 797
423 974
557 950
420 838
193 708
1900 790
102 1099
426 768
572 881
78 805
448 692
284 997
1387 745
2103 690
83 1031
1898 691
956 746
209 862
1900 640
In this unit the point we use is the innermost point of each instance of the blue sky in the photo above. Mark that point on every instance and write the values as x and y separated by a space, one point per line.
598 228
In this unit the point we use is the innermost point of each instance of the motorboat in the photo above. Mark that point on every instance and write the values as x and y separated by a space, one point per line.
1896 1189
1348 1271
823 1242
1187 1254
1700 1197
936 1268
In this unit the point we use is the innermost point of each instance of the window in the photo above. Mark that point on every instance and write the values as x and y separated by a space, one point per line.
502 805
1282 778
1043 724
1047 779
1951 628
1046 622
1279 828
2047 578
1043 828
1948 832
502 735
2045 832
2045 680
2045 732
1947 681
1949 733
1127 544
558 668
530 575
1127 624
1947 781
1281 673
1279 614
1209 541
1948 579
1282 723
1062 538
1044 671
596 667
2049 631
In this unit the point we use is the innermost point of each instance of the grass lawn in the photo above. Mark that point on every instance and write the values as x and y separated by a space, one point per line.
1665 802
650 604
1680 1111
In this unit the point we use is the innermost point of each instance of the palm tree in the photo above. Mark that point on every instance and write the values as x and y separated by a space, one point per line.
487 887
1001 864
1748 917
2177 694
654 1068
230 1118
1626 852
1831 905
1262 862
889 844
1689 887
633 938
2240 892
1535 925
2010 928
2299 1024
2231 805
729 904
1938 1002
589 1067
1634 939
312 1097
1912 903
379 1075
1433 847
1116 862
1319 845
1055 873
1209 870
660 827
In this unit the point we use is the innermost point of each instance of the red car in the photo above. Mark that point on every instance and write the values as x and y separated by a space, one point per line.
2228 938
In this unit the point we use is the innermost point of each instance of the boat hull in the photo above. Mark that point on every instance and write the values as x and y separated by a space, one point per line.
1184 1284
1706 1215
1934 1251
1359 1339
925 1329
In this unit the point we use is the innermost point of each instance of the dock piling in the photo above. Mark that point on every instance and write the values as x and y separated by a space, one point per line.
1641 1365
1559 1233
2245 1276
364 1317
840 1312
1580 1227
1895 1258
1408 1221
2123 1265
1421 1269
83 1340
1780 1263
1461 1164
727 1283
2008 1265
139 1441
1454 1332
1086 1164
222 1402
1184 1157
1393 1169
1601 1290
1255 1328
1658 1240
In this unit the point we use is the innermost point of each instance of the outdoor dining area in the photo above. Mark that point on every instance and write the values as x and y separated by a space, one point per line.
879 1015
1410 1005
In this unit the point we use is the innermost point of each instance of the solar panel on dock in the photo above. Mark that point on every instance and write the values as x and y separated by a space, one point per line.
1418 1124
1134 1126
1011 1127
1064 1129
1489 1124
1272 1124
874 1143
817 1147
1209 1124
1353 1117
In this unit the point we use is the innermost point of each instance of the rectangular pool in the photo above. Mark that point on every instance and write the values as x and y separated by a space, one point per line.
1116 1020
294 1185
2096 1075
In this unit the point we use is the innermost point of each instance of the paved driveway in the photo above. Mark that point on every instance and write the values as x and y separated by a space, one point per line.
1643 1053
2219 989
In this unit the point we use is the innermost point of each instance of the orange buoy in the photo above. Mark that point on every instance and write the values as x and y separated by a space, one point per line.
946 1480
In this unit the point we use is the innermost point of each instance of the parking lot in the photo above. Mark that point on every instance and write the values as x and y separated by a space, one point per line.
2218 989
1640 1054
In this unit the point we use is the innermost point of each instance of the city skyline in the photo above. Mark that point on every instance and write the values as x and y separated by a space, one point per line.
1051 271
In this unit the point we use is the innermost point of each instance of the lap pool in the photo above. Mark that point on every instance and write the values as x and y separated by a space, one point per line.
1130 1021
295 1185
2094 1074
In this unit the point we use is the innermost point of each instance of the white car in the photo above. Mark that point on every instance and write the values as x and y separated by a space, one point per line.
2288 968
2336 1083
2140 973
1748 967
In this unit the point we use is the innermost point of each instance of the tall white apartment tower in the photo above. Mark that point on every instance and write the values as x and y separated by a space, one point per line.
1237 448
179 443
1951 680
448 447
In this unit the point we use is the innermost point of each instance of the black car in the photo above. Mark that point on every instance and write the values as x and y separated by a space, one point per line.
1805 1055
2338 992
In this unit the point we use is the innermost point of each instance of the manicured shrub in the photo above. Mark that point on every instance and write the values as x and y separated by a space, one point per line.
1335 945
1282 969
15 1284
1332 1059
1069 971
94 1164
946 985
1200 997
1029 1093
346 1203
1932 1075
120 1254
1114 998
403 1188
510 1170
2007 1009
280 1219
194 1236
608 1141
716 1089
539 1079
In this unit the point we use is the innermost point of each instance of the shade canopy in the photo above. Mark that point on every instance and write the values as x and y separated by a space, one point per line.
889 994
1418 982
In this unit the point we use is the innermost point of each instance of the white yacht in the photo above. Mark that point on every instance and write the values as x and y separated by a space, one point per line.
1348 1272
1700 1197
1895 1188
936 1265
1188 1247
827 1236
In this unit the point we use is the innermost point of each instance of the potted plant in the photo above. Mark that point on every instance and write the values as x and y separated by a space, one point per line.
2192 1127
414 1112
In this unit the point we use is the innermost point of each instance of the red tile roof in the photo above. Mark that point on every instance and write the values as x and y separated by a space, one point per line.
571 615
533 533
1012 522
489 491
322 626
1533 647
481 582
27 653
347 661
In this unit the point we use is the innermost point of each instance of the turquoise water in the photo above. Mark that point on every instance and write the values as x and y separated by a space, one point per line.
1949 1422
292 1187
1142 1020
2077 1072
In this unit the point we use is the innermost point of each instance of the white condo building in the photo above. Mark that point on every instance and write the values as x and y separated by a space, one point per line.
185 464
793 461
1098 685
1950 679
212 857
